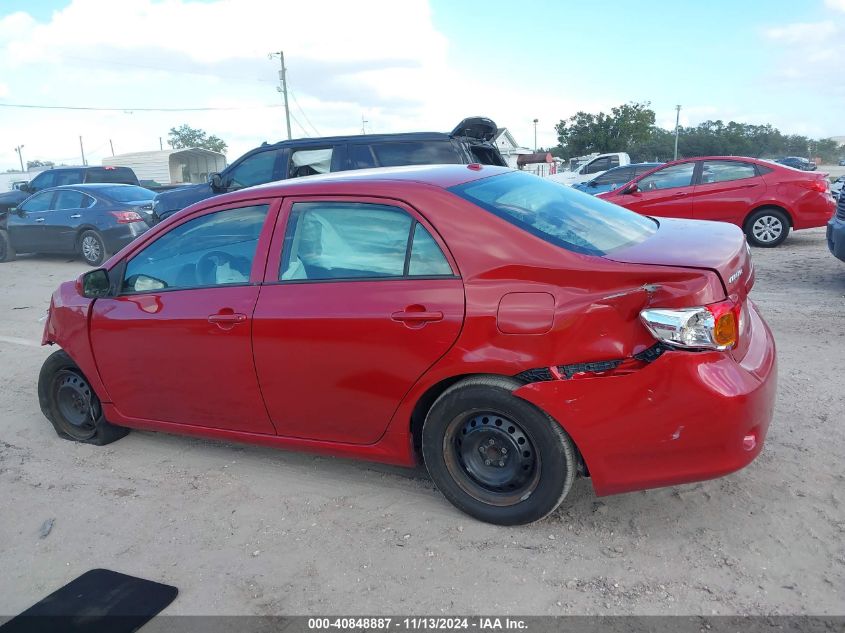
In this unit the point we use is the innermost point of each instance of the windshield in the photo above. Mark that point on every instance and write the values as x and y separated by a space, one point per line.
127 193
558 214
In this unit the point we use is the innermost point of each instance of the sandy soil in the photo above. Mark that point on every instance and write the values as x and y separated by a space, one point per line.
247 530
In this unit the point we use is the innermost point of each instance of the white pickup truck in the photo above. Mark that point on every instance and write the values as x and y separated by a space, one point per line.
591 168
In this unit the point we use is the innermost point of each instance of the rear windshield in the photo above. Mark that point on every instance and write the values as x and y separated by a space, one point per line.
121 175
558 214
127 193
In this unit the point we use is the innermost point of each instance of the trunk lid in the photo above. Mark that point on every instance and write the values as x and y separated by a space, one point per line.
715 246
476 127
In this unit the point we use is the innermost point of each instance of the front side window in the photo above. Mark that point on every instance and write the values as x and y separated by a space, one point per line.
615 177
347 240
212 250
668 178
43 181
557 213
254 170
416 153
725 170
37 203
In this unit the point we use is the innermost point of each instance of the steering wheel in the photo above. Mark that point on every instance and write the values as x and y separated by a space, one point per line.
208 264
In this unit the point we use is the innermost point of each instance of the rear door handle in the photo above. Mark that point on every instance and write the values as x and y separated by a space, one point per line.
418 317
39 219
75 216
227 319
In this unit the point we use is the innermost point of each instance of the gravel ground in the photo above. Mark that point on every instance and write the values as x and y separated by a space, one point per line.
248 530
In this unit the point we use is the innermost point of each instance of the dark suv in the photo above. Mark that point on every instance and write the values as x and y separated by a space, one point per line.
66 176
469 142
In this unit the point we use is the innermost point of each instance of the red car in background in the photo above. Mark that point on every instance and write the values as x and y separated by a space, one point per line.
508 331
763 198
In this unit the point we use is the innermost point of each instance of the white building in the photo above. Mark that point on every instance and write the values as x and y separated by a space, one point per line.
171 166
508 147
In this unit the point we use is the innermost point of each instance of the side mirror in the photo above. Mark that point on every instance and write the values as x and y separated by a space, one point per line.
632 188
94 284
216 181
592 183
26 188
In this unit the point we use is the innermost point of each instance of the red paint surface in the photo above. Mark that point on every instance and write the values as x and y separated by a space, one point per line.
328 367
733 201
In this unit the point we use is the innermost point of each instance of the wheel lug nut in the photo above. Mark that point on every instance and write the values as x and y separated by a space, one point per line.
491 442
486 462
504 451
481 450
501 463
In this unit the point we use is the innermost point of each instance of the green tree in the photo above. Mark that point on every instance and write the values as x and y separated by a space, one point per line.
30 164
626 125
185 136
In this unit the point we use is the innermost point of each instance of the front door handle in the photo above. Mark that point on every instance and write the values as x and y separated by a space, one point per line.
680 194
416 316
227 318
75 216
39 219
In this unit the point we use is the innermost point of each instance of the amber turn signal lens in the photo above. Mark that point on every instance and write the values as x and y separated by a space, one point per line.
725 330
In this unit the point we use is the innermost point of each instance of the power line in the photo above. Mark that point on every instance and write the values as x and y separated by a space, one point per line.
96 109
307 120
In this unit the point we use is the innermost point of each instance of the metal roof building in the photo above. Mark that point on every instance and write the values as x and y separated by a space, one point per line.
171 166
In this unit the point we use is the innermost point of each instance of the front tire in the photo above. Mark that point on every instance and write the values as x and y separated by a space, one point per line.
495 456
71 405
92 248
767 228
7 251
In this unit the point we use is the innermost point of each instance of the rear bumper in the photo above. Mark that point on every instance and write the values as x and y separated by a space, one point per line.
119 236
685 417
836 237
813 210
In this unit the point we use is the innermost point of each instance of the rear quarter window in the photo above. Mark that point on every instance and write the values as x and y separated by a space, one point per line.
558 214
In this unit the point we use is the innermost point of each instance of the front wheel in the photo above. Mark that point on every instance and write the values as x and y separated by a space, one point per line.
767 228
92 248
71 405
495 456
7 251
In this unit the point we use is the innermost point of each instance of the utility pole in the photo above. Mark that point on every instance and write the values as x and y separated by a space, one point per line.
283 86
363 124
82 151
677 128
112 147
20 156
160 146
535 135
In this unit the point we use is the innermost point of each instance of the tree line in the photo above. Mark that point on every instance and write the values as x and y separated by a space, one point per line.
631 128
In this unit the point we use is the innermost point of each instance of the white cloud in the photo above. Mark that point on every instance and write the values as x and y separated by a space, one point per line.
804 33
836 5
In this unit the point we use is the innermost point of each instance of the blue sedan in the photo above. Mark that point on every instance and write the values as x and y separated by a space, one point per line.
613 178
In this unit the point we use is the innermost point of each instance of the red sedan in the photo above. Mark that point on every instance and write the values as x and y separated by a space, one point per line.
508 331
765 199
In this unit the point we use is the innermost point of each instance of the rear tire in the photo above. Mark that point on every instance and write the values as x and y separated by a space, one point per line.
92 248
495 456
7 251
767 227
71 405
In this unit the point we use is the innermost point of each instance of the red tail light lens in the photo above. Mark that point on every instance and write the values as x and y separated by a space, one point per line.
126 217
820 185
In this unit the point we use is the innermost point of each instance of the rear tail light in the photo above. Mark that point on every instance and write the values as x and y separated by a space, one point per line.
127 217
819 184
715 326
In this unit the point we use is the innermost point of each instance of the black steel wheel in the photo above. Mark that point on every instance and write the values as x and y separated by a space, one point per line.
495 456
70 403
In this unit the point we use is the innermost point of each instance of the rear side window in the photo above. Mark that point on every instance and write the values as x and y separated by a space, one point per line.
725 170
117 175
67 177
557 213
415 153
361 157
343 240
212 250
310 162
69 199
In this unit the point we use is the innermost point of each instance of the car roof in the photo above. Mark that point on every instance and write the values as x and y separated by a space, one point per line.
93 186
360 138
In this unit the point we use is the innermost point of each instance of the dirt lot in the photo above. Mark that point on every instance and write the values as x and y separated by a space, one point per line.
241 529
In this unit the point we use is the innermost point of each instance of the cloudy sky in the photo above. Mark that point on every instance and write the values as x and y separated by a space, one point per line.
408 65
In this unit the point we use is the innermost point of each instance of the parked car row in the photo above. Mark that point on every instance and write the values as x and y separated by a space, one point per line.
765 199
614 178
797 162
